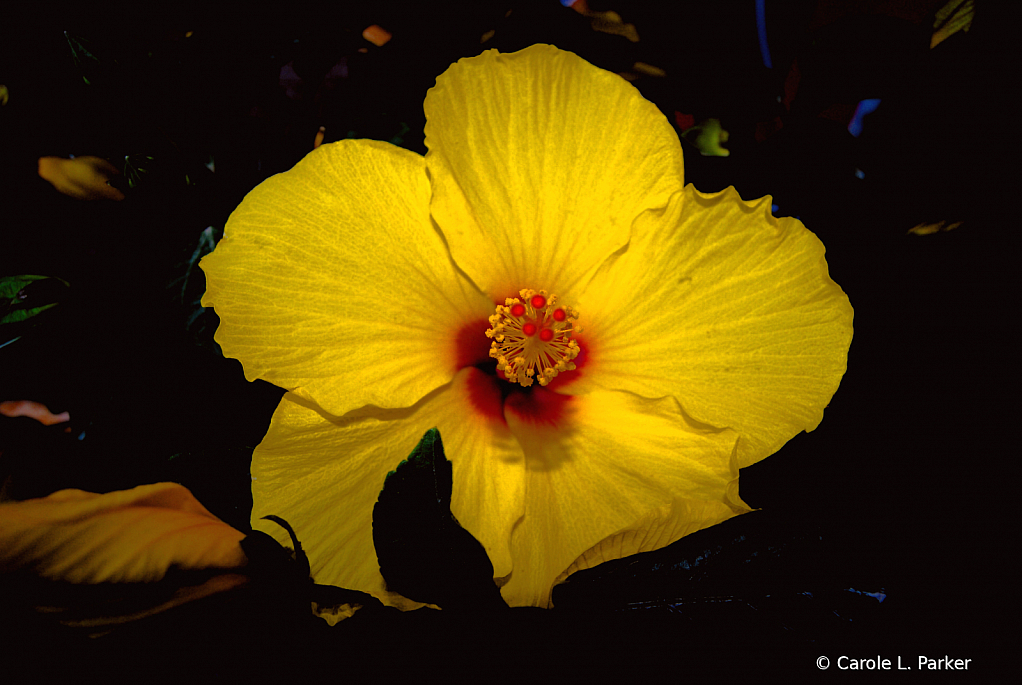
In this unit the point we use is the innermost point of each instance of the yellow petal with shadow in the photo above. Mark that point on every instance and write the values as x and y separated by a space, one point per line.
614 462
539 162
323 474
726 308
332 282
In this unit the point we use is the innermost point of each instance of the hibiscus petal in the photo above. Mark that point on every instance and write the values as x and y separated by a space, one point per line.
729 310
615 462
125 536
539 163
332 282
323 474
659 528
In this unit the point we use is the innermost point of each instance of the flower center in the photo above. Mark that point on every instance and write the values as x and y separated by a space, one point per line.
532 338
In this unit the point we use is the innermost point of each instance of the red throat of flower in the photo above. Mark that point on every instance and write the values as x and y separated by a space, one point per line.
532 338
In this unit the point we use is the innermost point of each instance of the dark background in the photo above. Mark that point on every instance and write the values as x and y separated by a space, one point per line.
903 491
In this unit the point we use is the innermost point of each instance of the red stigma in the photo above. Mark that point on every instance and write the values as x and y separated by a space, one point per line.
538 301
530 329
518 309
546 335
559 314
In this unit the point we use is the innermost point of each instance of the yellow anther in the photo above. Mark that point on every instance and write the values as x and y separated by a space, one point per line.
531 333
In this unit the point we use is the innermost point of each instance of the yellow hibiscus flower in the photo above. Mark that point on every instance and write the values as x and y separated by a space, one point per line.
548 227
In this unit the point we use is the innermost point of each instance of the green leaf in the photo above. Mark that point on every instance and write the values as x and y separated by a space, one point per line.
84 59
25 297
423 551
136 168
17 315
10 285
